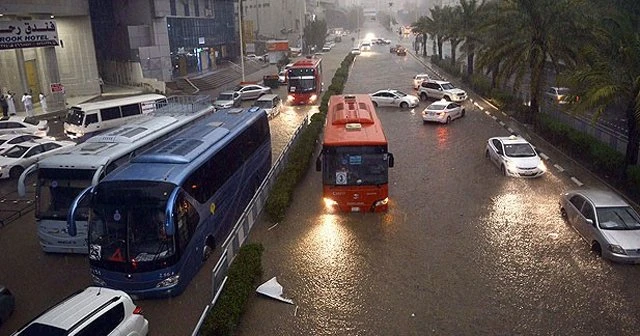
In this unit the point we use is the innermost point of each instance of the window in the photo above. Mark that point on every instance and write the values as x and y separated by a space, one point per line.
91 119
577 202
104 324
186 220
34 151
172 5
110 113
196 8
186 8
131 110
587 212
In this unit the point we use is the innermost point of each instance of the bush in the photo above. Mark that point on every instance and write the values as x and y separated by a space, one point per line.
243 275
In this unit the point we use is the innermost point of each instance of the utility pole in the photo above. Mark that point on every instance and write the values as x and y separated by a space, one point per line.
241 39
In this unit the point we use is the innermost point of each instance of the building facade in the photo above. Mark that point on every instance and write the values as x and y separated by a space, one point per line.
63 66
273 19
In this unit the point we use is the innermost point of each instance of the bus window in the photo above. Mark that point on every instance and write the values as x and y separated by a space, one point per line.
186 220
110 113
130 110
91 118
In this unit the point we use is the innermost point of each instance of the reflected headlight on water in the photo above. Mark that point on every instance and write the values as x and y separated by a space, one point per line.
329 203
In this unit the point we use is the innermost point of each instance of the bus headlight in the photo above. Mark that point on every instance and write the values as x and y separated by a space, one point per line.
313 98
382 202
168 282
96 280
329 203
289 98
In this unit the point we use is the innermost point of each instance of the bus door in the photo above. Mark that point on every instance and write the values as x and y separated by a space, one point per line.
79 210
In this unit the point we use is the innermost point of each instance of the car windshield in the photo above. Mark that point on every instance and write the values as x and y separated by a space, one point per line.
74 116
519 150
225 96
618 218
16 151
448 86
436 107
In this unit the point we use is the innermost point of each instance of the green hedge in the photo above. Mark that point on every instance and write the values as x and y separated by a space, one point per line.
243 276
301 153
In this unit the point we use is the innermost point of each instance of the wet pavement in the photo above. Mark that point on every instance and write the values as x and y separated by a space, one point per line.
463 250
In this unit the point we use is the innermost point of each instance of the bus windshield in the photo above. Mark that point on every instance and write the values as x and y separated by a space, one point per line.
355 165
74 116
57 188
302 85
127 225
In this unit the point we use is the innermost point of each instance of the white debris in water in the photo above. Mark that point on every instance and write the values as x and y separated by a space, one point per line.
273 289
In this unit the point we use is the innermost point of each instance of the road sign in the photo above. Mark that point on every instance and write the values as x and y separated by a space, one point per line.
57 88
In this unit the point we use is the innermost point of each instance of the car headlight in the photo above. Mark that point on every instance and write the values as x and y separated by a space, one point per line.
168 282
617 249
313 98
542 166
511 166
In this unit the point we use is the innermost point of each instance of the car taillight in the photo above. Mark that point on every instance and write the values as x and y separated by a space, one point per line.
138 310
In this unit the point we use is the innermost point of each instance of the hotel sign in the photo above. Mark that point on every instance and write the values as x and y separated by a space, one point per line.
28 34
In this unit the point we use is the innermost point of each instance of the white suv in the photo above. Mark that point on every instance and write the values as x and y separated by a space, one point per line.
93 311
436 89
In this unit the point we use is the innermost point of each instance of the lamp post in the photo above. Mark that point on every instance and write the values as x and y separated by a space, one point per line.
241 41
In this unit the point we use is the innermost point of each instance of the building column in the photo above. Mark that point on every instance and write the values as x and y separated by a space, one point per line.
55 100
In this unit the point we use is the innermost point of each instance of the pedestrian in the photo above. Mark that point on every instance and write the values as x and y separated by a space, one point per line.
101 84
43 102
11 103
27 100
4 105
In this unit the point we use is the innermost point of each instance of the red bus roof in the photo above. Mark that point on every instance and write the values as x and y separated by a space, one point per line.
352 121
307 63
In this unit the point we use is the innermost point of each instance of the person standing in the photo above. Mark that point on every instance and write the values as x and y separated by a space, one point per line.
43 102
27 100
4 105
11 103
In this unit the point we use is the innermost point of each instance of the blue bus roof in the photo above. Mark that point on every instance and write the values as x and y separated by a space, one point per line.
166 160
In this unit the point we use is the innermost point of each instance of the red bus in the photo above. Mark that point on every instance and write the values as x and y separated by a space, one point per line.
354 159
304 81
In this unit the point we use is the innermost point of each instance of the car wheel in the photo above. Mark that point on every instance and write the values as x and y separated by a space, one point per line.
503 170
563 213
404 105
447 98
15 172
375 104
596 248
207 250
423 96
448 120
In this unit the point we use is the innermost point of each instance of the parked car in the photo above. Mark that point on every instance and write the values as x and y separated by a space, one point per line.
227 99
391 97
18 157
252 91
443 112
356 51
10 139
437 89
605 221
92 311
558 95
15 124
7 303
515 157
365 46
418 79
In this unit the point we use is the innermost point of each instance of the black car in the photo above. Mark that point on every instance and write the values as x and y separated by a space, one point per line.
7 303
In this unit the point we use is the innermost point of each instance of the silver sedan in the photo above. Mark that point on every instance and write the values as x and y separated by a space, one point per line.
391 97
252 91
443 112
605 221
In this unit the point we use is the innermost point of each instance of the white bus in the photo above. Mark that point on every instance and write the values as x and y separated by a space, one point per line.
85 119
60 178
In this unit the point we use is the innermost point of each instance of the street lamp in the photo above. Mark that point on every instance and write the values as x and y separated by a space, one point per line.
390 4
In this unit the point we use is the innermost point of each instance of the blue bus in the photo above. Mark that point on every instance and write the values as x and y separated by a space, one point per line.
154 221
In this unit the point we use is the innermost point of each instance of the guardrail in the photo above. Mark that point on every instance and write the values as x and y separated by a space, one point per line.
243 226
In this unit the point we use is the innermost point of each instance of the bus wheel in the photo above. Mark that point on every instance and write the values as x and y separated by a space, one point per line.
208 248
15 172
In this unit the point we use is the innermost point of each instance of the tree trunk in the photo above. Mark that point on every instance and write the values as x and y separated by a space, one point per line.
537 75
454 46
631 156
470 57
424 45
440 43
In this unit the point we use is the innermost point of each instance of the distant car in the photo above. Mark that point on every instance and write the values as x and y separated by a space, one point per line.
558 95
227 99
386 41
271 103
402 51
93 311
251 91
437 89
442 112
18 157
515 157
326 48
390 97
15 124
356 51
418 79
365 46
10 139
282 77
255 57
7 303
605 221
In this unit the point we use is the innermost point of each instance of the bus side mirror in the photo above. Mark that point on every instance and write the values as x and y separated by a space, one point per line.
318 164
391 160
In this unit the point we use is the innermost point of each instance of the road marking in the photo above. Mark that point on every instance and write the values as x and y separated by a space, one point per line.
558 167
504 114
510 130
492 116
544 156
478 106
501 123
576 181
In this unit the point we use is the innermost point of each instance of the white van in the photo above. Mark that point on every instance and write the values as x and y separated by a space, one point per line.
87 118
271 103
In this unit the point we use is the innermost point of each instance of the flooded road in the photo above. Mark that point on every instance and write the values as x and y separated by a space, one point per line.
462 250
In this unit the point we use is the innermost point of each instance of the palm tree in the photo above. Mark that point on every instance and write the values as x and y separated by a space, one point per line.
609 74
438 27
469 16
453 21
422 28
525 35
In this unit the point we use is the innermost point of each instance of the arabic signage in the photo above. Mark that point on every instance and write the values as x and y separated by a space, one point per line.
28 34
57 88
